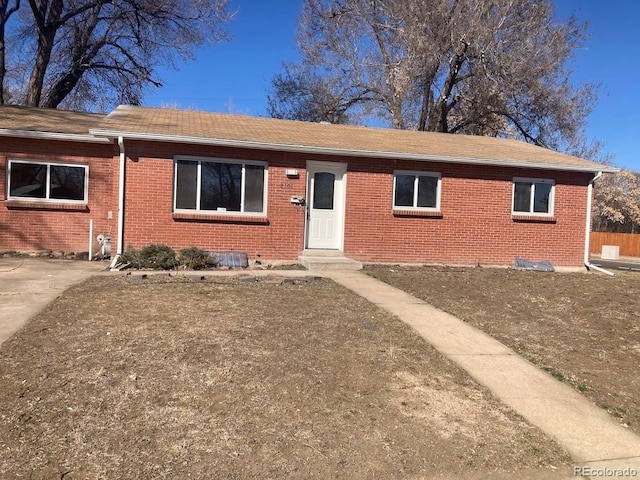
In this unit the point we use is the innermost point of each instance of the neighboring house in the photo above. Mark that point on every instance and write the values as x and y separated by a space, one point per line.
274 188
54 177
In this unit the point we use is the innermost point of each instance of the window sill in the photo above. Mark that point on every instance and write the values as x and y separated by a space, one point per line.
418 213
36 205
533 218
220 218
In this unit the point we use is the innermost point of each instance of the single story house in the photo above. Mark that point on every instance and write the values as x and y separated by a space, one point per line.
277 188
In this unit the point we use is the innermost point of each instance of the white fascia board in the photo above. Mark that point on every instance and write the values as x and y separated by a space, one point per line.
67 137
223 142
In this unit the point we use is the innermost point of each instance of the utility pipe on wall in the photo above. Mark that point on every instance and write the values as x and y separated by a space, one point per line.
119 245
90 239
587 236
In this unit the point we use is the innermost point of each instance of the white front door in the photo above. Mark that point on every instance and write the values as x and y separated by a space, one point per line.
325 204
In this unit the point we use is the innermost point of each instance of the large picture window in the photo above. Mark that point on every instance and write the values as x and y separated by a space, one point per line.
416 190
533 196
219 186
47 181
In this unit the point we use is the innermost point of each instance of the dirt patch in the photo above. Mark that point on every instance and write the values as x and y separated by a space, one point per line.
584 329
130 378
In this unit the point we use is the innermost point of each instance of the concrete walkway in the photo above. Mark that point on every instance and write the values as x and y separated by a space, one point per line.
27 285
592 438
595 441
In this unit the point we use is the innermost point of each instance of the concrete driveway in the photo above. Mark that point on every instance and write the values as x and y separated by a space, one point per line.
630 264
27 285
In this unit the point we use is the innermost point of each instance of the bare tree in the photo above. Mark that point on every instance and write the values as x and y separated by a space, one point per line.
304 95
96 53
617 203
484 67
5 13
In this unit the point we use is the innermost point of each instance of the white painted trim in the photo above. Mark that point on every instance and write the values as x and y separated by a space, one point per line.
534 181
344 152
67 137
587 235
121 187
338 168
231 214
48 164
416 174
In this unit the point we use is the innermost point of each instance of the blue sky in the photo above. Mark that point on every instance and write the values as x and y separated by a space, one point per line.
234 77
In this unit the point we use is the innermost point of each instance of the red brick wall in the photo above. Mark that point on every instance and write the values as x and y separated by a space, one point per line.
476 225
39 227
149 201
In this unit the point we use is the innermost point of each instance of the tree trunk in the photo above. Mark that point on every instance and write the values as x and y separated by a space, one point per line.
3 68
62 88
47 27
82 56
36 80
5 13
442 108
427 103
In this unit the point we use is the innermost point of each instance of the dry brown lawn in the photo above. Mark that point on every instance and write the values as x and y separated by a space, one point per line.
174 378
582 328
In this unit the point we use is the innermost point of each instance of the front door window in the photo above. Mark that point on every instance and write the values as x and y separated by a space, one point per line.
323 186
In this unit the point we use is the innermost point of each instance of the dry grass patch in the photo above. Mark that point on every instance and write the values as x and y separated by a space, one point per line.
123 378
582 328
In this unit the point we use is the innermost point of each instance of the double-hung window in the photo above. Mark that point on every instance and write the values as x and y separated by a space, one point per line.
216 185
43 181
416 190
533 196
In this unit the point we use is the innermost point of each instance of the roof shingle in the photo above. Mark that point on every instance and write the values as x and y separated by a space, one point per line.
163 124
47 120
216 128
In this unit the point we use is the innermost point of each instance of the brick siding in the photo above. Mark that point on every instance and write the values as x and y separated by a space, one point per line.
475 224
32 226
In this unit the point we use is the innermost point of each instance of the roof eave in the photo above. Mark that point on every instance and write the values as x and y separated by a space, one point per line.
223 142
66 137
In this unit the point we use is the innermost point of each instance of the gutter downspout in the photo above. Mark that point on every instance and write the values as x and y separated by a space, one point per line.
587 236
119 246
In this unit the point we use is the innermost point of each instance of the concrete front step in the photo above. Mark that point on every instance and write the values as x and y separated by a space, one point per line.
327 260
322 252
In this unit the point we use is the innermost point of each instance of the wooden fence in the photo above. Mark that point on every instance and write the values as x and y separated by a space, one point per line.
629 243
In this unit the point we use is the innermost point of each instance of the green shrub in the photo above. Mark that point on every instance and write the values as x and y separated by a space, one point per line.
158 256
155 256
131 256
194 258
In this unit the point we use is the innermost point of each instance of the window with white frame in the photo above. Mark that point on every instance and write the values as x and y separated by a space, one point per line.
416 190
33 180
533 196
216 185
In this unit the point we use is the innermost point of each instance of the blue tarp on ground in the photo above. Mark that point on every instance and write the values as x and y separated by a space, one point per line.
542 266
231 259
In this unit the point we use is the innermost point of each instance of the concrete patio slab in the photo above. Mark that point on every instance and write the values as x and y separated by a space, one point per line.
27 285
